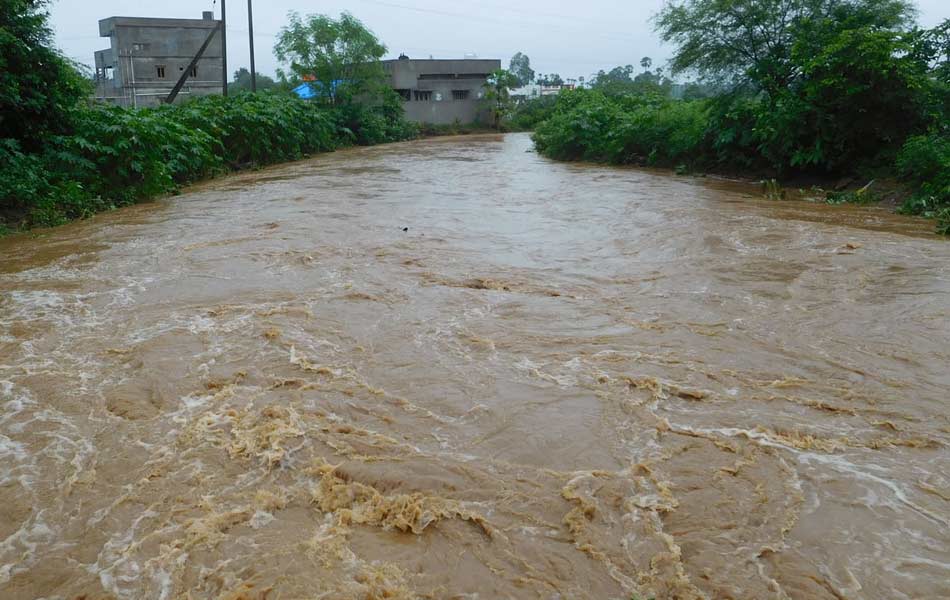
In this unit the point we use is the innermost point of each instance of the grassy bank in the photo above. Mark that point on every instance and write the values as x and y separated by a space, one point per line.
113 156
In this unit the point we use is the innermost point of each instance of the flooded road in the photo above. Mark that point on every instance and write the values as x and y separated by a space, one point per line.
453 369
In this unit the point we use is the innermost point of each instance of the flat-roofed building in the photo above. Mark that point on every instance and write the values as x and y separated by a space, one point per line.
442 92
147 56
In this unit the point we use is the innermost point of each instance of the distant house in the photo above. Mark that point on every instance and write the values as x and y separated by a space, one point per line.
148 55
534 90
442 92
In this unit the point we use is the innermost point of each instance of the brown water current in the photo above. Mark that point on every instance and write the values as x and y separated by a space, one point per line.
562 381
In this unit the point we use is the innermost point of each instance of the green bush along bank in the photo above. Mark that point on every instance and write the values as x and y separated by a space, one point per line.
846 88
116 156
63 157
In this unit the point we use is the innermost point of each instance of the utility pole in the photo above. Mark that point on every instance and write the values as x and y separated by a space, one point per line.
250 29
224 48
194 61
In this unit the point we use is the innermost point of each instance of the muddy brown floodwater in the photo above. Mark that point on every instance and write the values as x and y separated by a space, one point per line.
562 381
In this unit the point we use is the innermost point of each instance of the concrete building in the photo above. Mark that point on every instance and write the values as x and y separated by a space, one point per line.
147 57
441 92
534 90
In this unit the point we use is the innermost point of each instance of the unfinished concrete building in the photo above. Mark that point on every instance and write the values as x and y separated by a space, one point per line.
442 92
148 55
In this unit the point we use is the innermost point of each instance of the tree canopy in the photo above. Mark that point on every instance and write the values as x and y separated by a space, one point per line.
498 94
342 55
520 67
815 84
552 80
621 80
751 41
242 81
38 86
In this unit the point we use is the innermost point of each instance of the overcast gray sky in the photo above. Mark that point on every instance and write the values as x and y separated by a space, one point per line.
569 38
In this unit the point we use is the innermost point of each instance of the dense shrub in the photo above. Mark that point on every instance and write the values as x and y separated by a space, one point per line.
256 129
39 87
22 180
378 123
115 156
856 98
62 159
924 162
529 113
580 129
589 125
815 89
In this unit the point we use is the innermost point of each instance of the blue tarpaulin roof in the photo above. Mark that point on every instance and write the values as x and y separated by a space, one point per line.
315 89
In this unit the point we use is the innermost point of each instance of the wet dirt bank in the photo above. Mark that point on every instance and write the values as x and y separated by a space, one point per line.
453 369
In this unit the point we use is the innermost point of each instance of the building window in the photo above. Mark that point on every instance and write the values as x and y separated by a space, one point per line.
404 94
193 72
460 94
423 95
160 71
139 47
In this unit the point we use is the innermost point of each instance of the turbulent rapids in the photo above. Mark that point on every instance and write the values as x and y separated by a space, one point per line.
453 369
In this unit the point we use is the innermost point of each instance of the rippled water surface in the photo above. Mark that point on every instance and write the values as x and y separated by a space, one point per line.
561 381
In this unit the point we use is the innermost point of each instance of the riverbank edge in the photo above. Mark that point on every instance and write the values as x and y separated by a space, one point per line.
853 189
6 230
886 192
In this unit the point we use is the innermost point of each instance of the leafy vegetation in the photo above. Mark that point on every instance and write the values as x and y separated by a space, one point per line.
550 80
621 80
800 88
497 98
924 161
520 67
341 57
116 156
643 129
62 158
38 86
528 113
242 82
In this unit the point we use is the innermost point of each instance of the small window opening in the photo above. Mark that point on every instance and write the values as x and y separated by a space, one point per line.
423 95
460 94
160 71
404 94
193 72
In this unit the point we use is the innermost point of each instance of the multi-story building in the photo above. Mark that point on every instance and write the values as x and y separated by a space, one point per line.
442 92
148 56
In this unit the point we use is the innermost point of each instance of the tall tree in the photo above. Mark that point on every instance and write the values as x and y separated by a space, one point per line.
497 97
751 41
38 86
550 80
520 67
242 81
341 55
